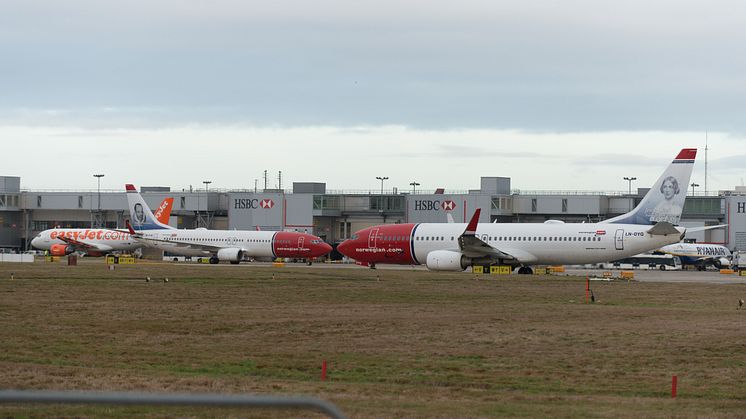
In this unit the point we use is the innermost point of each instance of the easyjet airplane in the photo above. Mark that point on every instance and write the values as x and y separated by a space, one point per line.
93 241
229 245
454 247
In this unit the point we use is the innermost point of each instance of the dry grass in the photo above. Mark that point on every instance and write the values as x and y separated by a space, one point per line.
415 344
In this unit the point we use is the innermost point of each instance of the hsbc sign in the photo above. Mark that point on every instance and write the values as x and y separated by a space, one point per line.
434 205
252 203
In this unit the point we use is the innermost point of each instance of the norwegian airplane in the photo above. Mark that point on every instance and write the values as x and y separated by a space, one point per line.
456 246
221 245
699 254
93 241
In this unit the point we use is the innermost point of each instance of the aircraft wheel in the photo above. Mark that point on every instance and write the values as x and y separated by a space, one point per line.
214 260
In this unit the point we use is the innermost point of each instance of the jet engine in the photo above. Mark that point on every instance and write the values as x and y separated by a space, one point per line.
231 254
447 260
61 249
721 263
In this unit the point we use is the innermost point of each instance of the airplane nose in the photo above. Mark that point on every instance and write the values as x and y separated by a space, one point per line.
325 248
345 247
35 242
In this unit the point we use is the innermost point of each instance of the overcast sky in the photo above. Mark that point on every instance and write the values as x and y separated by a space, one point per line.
569 95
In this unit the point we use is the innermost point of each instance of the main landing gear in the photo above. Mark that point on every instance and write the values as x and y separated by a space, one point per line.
214 260
525 270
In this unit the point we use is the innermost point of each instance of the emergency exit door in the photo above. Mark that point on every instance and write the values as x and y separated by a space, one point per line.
619 240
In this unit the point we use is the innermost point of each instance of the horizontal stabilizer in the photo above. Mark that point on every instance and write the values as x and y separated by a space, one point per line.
663 228
695 229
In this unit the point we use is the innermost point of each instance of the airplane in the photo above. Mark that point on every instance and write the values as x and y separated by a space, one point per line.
220 245
456 246
699 254
93 241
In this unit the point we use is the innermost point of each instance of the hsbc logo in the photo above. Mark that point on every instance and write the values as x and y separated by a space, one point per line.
252 203
434 205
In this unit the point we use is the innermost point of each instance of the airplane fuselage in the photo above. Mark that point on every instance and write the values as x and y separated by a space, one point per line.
529 243
192 242
101 240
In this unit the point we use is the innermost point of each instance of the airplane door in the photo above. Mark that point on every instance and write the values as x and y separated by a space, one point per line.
301 240
619 240
372 238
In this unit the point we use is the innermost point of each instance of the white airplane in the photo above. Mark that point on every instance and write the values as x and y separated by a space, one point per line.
456 246
699 255
227 245
93 241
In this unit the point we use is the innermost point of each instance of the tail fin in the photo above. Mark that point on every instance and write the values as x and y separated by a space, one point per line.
163 213
665 200
140 215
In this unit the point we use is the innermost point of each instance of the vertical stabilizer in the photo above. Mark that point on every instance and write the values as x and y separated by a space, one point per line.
665 200
140 215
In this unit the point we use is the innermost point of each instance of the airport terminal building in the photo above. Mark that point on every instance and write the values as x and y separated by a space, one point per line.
335 215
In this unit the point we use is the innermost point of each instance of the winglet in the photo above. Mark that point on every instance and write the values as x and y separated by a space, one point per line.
130 188
129 227
471 229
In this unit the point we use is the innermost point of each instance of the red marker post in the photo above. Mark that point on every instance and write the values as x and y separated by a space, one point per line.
323 370
587 287
674 386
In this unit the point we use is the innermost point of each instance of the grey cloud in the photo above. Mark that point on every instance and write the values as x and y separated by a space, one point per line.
543 66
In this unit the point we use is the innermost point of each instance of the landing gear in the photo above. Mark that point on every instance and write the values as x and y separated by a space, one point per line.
525 270
214 260
234 262
372 266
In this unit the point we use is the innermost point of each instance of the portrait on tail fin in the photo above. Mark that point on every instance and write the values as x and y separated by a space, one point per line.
664 202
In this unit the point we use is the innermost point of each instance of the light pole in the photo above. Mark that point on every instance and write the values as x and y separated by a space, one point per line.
382 178
694 185
630 179
414 187
629 189
207 202
98 214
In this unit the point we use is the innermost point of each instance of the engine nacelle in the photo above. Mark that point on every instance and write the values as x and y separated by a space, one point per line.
447 260
231 254
61 249
721 263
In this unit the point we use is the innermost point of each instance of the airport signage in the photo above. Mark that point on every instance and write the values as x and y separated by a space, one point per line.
252 203
434 205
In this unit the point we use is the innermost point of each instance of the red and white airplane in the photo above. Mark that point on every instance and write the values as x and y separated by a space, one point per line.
228 245
454 247
93 241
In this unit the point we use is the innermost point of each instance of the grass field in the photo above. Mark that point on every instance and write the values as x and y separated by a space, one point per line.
414 344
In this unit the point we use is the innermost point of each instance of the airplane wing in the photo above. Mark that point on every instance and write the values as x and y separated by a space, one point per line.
79 245
179 245
474 247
